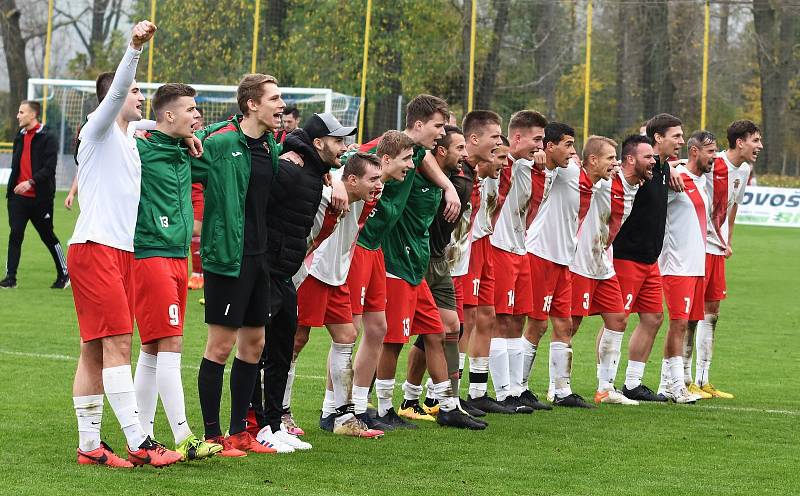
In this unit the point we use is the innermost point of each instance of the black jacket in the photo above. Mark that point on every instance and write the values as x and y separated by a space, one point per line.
294 200
44 157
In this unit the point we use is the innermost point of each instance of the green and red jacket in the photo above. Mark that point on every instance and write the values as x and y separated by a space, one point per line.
165 218
224 171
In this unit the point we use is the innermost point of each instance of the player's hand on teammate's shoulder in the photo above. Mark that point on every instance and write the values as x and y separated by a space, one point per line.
293 157
339 199
539 159
676 183
452 204
194 145
142 33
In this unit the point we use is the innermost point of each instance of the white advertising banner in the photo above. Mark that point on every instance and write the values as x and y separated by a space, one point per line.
765 206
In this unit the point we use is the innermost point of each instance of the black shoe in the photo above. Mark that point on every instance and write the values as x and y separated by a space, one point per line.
469 408
573 400
8 282
393 419
488 405
62 282
461 420
373 423
372 412
514 403
642 393
529 398
326 423
430 402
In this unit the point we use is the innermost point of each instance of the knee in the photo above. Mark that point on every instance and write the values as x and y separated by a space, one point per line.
434 339
652 321
218 350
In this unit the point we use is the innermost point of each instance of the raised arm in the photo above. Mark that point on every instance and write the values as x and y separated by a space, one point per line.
106 114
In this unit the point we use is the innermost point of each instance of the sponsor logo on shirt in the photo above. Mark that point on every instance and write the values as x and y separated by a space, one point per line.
236 154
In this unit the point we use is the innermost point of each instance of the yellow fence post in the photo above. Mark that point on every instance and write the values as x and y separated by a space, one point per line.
704 91
150 55
47 45
587 72
472 33
255 37
364 73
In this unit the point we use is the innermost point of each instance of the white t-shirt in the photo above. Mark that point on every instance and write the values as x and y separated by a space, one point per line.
610 206
333 240
684 251
457 252
109 170
553 235
527 188
483 224
725 186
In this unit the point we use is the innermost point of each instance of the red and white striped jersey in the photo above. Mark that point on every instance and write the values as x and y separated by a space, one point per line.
553 235
725 186
527 188
457 252
610 206
684 251
333 240
490 203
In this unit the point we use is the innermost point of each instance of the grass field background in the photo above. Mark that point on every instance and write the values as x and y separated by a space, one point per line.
744 446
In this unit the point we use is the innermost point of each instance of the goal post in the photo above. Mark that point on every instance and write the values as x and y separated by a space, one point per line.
70 100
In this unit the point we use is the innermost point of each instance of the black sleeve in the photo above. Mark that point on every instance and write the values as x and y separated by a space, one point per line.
47 170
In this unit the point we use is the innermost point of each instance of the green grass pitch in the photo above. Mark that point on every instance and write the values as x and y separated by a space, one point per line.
743 446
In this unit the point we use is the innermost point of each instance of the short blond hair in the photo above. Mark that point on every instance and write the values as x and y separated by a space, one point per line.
594 145
251 87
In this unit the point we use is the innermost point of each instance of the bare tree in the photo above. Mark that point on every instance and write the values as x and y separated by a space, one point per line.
14 45
488 81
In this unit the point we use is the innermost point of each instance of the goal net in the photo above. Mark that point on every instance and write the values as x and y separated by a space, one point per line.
68 102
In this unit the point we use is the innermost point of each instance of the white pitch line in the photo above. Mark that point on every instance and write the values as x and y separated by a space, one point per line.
68 358
745 409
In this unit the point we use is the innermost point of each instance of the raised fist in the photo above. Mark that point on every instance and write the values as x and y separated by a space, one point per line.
142 33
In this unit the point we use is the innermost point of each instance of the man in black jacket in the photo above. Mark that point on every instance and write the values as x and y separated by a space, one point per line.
31 189
293 203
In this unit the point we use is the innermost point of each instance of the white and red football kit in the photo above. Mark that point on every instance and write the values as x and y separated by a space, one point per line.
460 248
552 240
323 296
595 287
478 283
682 262
725 187
525 195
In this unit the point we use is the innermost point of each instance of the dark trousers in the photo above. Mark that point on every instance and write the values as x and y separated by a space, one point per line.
277 356
22 209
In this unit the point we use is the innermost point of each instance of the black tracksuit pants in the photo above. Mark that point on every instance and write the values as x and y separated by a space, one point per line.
22 209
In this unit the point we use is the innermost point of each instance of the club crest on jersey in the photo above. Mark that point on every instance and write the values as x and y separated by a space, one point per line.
737 183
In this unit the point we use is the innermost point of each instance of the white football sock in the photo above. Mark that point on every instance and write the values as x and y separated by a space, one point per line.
444 391
561 360
528 359
688 349
411 392
663 384
705 347
384 389
498 367
515 365
89 411
170 390
634 374
341 372
478 367
462 359
609 351
118 385
287 394
360 399
328 404
675 373
429 392
146 390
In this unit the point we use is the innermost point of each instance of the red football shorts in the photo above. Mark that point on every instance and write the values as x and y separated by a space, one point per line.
595 296
479 281
552 293
512 283
640 284
716 289
458 286
319 303
103 289
684 295
198 201
410 310
366 281
160 297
